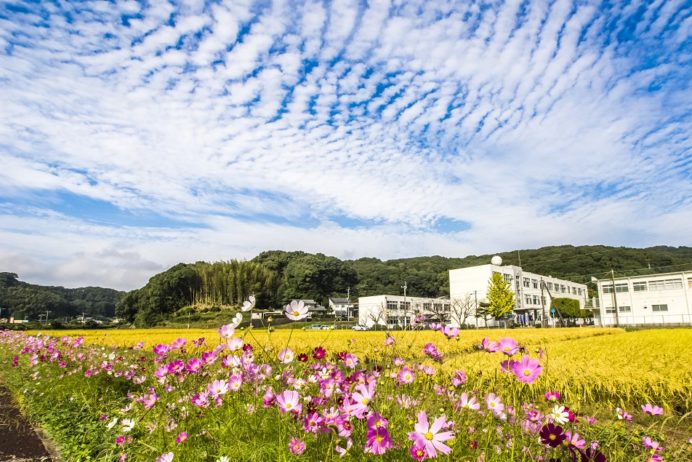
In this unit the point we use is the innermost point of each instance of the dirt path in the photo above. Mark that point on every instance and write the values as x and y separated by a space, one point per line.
18 441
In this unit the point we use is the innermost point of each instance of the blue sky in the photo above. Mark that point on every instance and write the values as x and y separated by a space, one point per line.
136 135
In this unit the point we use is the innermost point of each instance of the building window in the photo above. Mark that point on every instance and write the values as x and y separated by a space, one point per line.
624 309
563 289
427 306
527 282
437 306
639 286
447 307
673 283
608 289
550 285
535 283
659 307
536 301
579 290
657 285
609 309
392 305
405 305
528 299
623 287
543 299
508 277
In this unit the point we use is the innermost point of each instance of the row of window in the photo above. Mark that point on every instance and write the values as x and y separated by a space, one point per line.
628 309
534 300
394 305
558 288
643 286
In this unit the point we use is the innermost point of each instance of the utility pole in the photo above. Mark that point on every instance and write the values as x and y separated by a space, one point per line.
348 303
543 320
403 287
615 298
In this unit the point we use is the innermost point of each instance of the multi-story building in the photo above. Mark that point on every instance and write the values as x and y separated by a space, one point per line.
343 308
664 298
533 292
399 311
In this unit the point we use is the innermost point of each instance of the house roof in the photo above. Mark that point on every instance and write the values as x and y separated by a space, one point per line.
339 300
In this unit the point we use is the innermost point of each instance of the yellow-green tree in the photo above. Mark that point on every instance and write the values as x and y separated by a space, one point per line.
501 299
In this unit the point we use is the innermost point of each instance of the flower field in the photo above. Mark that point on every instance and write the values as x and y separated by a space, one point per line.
230 394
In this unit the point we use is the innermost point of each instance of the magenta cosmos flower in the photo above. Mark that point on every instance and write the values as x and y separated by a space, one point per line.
296 446
527 370
430 436
489 345
378 441
552 396
296 310
289 401
508 346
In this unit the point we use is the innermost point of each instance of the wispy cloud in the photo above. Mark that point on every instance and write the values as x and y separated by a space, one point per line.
382 129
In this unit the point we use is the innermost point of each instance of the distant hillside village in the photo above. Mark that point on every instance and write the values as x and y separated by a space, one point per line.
372 294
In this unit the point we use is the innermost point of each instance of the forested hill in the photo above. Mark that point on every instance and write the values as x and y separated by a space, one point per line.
278 276
26 301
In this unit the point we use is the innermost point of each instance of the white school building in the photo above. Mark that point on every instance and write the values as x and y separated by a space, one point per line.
533 292
396 310
468 289
659 299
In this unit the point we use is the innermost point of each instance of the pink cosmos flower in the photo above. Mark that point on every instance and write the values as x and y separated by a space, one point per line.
350 360
296 446
406 376
623 415
376 421
489 345
218 388
459 378
194 365
165 457
652 410
234 382
201 399
234 343
361 399
450 332
494 404
289 401
378 441
227 331
527 370
182 436
286 355
429 436
389 340
508 346
468 403
431 350
296 310
574 440
552 396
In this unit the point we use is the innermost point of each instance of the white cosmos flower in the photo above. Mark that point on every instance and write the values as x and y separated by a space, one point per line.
296 310
249 303
128 425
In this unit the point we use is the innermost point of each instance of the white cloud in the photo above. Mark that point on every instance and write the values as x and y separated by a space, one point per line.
525 122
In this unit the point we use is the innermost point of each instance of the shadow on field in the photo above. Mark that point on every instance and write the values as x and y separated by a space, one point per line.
18 441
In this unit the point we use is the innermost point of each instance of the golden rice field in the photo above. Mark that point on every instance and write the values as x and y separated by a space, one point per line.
587 365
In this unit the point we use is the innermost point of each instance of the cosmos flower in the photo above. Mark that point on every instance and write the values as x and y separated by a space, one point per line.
494 404
227 331
459 378
218 388
489 346
552 396
552 435
430 436
182 436
165 457
296 446
406 376
378 441
527 370
289 401
318 353
468 403
286 355
248 304
652 410
508 346
559 415
296 310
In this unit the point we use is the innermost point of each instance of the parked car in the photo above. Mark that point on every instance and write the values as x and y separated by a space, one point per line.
359 327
